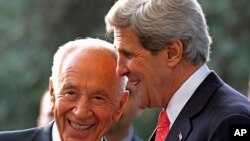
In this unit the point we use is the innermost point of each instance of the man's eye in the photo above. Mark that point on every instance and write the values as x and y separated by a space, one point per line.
128 55
70 93
99 99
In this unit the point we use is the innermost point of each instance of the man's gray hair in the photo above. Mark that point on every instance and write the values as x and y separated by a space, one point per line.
158 22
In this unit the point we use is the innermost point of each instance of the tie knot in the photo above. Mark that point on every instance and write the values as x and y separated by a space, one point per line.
163 120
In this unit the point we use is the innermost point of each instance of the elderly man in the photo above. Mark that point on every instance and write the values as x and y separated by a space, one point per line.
86 94
163 48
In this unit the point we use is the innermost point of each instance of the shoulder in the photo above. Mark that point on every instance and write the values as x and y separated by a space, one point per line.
231 101
223 98
18 135
215 100
32 134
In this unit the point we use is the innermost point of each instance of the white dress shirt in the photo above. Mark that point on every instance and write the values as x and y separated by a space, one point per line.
55 133
183 94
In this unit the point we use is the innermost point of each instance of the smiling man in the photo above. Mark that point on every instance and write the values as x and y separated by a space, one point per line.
163 48
86 94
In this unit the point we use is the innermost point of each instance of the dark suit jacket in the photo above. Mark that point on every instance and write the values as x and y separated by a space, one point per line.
210 112
34 134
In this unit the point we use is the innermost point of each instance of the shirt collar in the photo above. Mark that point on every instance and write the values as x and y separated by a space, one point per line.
183 94
55 133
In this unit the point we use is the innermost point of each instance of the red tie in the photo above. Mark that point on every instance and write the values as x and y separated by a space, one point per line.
162 126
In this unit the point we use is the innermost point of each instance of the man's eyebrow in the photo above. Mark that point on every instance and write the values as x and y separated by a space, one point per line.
125 52
101 91
68 86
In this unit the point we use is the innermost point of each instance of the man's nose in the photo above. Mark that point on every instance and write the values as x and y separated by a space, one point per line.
82 108
121 68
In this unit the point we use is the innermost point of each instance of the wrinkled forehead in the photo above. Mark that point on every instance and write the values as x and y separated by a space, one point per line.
91 59
92 65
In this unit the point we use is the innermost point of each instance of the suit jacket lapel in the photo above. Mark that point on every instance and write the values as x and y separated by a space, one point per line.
182 125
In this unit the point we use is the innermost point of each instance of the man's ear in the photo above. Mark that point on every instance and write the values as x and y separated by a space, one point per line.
174 53
52 94
122 103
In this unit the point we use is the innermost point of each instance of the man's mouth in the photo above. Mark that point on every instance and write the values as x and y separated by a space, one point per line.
135 82
80 126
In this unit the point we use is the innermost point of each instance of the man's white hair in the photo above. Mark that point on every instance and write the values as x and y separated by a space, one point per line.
72 46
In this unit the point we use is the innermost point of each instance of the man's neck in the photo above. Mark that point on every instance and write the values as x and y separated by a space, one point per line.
179 75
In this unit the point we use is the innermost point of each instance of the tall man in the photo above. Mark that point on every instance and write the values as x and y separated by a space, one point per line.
87 96
163 49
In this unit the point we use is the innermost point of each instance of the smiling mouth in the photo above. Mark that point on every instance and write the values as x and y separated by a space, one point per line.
135 83
77 126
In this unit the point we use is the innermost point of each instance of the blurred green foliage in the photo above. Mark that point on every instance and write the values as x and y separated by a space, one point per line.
31 31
